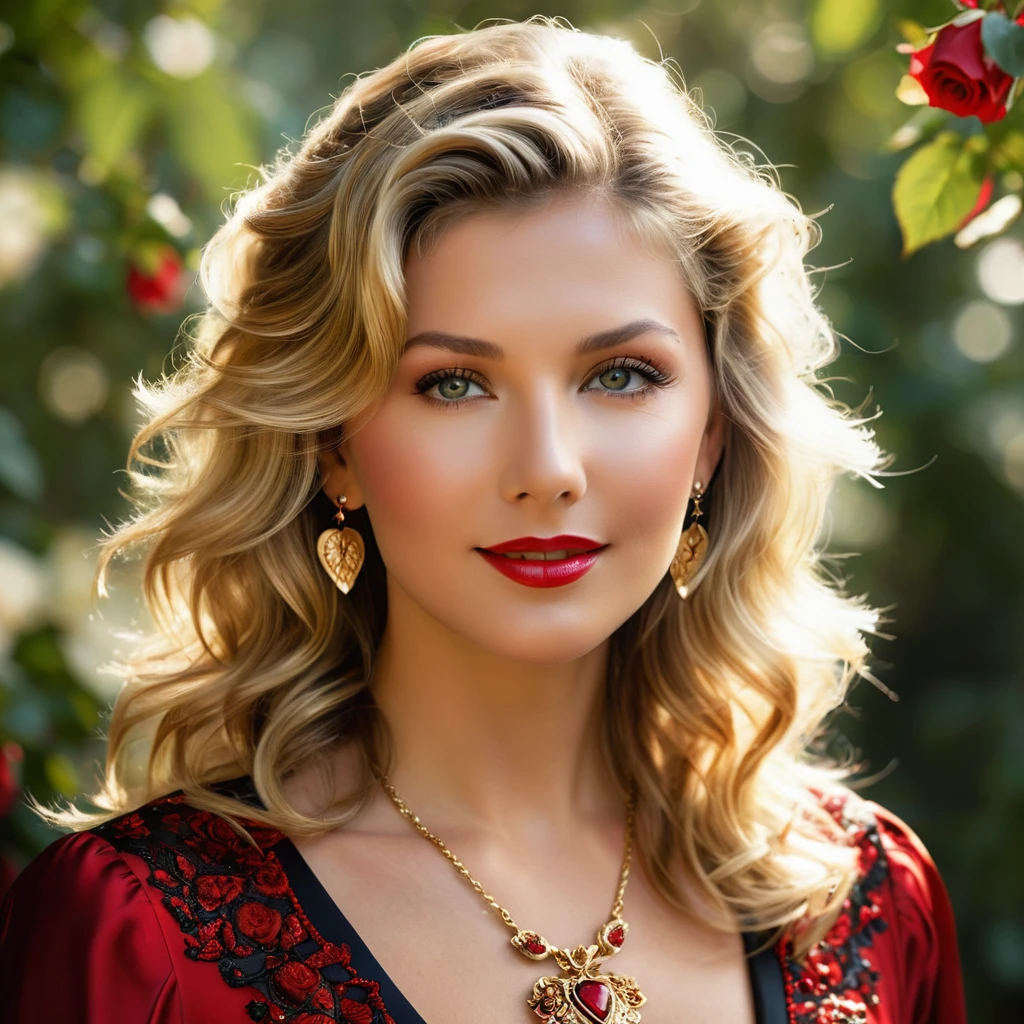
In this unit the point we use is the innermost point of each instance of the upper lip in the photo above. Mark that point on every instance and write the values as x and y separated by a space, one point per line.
559 543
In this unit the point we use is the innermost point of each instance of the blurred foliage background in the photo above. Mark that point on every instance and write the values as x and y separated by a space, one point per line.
126 126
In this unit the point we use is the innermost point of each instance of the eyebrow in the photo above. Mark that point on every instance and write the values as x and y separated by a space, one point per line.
592 343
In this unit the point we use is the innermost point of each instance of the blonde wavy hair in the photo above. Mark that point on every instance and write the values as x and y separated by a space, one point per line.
260 667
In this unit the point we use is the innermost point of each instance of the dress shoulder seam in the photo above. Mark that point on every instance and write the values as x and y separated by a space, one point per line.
172 974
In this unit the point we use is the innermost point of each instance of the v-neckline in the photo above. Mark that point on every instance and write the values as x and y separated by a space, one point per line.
763 969
328 919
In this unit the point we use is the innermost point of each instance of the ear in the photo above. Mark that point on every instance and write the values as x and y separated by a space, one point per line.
712 444
337 477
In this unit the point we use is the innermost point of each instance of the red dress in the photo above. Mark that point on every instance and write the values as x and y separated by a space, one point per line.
165 916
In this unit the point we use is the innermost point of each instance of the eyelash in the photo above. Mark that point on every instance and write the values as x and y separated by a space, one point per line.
656 378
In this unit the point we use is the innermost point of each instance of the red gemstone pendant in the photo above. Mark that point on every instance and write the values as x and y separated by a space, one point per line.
594 998
590 995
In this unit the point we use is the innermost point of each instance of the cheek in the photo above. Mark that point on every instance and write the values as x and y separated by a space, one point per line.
413 482
644 468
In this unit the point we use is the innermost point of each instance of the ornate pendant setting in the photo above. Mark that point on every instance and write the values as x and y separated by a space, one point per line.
588 995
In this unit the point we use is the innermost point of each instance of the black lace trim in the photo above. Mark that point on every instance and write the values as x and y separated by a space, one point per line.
236 908
837 983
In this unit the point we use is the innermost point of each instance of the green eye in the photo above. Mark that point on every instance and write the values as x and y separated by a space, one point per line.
450 386
628 376
615 379
453 387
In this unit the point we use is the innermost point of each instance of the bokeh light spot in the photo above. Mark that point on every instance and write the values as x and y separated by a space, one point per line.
181 47
73 384
982 331
782 53
1001 271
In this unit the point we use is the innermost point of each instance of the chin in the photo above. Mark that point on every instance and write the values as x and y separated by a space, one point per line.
538 636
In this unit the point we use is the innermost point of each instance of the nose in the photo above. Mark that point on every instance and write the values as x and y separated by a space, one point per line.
544 461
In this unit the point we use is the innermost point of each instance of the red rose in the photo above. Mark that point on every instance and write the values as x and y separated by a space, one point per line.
959 76
293 931
258 922
214 891
156 283
270 879
210 826
295 981
263 835
130 827
355 1012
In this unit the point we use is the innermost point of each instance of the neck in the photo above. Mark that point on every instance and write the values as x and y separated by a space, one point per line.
488 744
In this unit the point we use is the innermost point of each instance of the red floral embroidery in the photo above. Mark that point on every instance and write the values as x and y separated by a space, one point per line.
235 908
270 879
213 891
131 826
836 982
258 922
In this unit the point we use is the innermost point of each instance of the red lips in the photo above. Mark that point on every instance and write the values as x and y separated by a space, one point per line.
559 543
537 573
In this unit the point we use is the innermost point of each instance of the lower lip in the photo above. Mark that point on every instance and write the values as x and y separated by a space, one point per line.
534 573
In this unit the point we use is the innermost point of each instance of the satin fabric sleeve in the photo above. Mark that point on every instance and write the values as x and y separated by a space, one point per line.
930 982
80 942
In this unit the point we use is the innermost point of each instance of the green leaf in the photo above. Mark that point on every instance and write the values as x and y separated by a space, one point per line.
111 113
839 27
211 134
938 187
1004 42
1009 154
912 32
1014 94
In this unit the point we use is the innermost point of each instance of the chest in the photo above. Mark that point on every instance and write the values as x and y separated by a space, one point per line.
448 953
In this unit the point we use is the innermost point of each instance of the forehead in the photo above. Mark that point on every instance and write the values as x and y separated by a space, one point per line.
571 261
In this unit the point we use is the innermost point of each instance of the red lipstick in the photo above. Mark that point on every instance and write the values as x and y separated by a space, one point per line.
580 555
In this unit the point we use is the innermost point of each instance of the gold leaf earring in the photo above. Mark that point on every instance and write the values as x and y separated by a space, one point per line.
692 544
341 552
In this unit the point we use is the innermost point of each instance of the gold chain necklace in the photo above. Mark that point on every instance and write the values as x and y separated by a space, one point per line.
586 994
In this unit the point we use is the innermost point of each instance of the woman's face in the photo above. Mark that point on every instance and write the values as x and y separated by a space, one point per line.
554 382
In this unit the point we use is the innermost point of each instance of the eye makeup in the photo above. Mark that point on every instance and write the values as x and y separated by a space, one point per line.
642 366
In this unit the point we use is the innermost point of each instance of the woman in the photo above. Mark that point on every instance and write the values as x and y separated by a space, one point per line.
431 584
